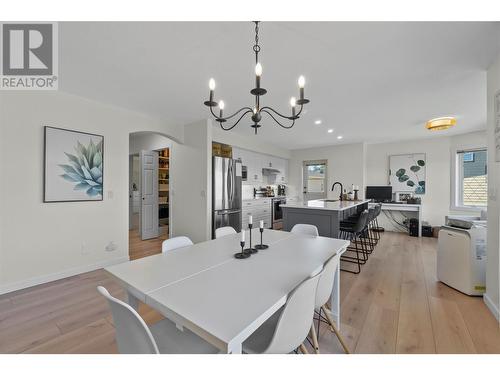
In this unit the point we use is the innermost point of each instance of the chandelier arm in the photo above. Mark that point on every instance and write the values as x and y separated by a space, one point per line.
283 116
236 123
279 123
229 117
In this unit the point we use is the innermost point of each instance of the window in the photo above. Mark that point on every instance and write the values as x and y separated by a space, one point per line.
314 174
471 187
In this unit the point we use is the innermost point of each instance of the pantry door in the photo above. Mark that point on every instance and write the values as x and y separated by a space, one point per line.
149 227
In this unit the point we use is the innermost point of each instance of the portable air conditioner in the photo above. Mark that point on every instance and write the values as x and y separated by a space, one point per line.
461 258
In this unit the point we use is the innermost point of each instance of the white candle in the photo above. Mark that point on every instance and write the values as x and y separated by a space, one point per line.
250 220
262 224
242 236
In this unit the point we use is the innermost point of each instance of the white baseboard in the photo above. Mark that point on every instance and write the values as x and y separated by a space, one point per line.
494 309
18 285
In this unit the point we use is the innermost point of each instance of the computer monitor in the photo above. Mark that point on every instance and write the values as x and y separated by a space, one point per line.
379 193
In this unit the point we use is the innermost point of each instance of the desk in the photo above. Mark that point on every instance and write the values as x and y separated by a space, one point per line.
224 300
403 207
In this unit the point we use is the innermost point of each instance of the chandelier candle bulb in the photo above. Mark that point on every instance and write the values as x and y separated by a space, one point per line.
293 103
250 219
221 107
211 86
258 73
302 83
261 224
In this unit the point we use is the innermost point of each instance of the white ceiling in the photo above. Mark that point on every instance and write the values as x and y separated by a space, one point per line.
371 82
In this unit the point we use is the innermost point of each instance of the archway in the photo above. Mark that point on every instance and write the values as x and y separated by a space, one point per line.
149 192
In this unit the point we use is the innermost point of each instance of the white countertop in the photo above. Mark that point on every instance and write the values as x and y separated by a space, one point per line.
323 205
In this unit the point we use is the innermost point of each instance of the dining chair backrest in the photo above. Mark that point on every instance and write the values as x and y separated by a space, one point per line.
224 231
175 243
295 320
132 334
307 229
325 283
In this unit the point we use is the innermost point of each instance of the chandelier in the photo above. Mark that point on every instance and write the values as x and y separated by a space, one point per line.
258 91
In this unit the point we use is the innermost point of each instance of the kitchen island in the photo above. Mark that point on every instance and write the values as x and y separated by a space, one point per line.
326 215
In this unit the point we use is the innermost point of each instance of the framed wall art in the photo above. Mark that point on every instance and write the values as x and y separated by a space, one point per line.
73 166
407 173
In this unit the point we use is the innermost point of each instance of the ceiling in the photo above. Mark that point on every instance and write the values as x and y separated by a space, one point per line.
369 81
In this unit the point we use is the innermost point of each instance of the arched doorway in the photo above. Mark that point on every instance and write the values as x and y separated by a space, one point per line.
149 192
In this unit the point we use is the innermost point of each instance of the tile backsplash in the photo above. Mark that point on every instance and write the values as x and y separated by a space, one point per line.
247 190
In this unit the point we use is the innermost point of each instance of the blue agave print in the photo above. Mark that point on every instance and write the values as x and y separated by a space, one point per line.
85 168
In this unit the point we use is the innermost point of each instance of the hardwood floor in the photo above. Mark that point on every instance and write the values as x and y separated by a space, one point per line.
140 249
395 305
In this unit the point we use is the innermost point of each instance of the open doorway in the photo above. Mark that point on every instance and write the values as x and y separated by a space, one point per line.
149 193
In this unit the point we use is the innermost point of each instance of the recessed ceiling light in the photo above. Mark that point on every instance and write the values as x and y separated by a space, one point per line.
339 137
317 122
330 130
441 123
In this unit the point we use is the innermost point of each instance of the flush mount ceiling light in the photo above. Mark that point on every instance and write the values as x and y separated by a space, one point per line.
258 91
441 123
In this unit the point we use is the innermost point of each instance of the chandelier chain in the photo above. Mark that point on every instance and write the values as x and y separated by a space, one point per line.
256 46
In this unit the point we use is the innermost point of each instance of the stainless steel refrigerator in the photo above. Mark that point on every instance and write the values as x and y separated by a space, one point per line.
226 193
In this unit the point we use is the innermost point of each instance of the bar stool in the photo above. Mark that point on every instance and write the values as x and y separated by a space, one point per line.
354 234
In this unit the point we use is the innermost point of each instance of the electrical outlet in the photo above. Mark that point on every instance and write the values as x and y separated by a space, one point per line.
111 246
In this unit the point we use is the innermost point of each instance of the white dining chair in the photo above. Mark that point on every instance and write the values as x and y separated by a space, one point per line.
224 231
307 229
286 330
175 243
323 294
133 336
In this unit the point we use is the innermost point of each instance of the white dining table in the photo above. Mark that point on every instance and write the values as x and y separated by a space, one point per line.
222 299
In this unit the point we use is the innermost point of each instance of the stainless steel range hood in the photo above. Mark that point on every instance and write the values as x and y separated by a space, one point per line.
270 171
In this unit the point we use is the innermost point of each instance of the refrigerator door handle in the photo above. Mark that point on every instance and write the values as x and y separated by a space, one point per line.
225 212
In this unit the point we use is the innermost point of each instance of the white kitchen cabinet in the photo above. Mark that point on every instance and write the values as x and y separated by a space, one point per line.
260 209
255 168
255 162
282 165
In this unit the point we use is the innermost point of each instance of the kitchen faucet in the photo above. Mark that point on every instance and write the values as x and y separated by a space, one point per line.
341 188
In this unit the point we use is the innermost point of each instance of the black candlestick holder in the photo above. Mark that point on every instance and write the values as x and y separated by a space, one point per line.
251 250
261 246
242 254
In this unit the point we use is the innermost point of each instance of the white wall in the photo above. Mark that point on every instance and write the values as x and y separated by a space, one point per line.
492 297
42 241
147 141
438 152
191 170
345 164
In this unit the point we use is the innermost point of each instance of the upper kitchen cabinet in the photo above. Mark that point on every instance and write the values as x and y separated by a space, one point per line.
255 162
282 166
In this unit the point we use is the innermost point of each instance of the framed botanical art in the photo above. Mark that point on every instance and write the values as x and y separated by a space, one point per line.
73 166
407 173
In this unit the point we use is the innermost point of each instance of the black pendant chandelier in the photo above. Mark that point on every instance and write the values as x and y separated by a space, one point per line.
258 91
